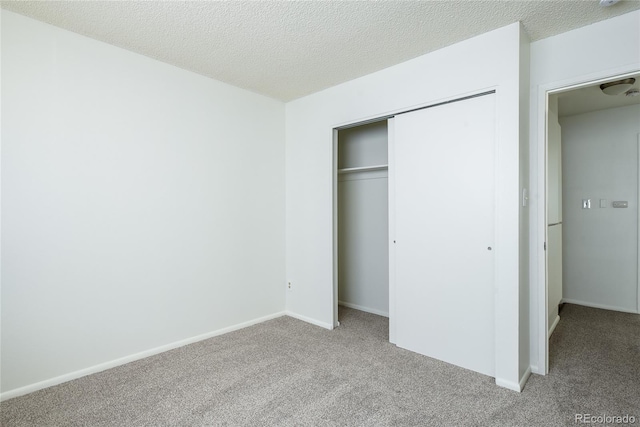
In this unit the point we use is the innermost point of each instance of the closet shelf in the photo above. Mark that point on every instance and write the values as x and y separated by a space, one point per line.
363 169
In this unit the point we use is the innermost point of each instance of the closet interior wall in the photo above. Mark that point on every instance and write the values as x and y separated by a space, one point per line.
363 219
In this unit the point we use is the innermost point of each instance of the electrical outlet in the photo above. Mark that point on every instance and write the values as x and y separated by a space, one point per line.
289 288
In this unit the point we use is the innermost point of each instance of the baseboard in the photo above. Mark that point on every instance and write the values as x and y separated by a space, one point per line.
365 309
519 386
510 385
535 370
553 326
131 358
309 320
602 306
525 378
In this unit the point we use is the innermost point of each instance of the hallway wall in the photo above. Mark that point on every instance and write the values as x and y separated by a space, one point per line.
600 162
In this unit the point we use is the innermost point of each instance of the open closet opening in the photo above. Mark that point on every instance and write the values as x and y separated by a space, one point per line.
362 197
593 159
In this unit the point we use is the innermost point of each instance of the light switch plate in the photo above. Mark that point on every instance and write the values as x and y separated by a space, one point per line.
586 203
603 203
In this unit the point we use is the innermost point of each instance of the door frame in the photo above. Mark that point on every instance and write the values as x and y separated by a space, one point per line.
538 177
509 129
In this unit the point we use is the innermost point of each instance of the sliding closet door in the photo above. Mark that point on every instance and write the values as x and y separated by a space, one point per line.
445 220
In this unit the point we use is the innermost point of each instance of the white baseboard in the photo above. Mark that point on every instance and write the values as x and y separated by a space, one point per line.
525 378
595 305
309 320
510 385
365 309
535 370
553 326
519 386
131 358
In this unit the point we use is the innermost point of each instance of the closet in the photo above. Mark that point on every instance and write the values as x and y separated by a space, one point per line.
416 197
363 220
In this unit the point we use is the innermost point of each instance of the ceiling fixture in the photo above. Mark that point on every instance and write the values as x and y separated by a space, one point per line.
618 87
606 3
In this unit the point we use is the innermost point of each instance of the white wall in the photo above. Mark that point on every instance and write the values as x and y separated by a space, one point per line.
574 57
523 324
600 159
489 61
141 204
363 219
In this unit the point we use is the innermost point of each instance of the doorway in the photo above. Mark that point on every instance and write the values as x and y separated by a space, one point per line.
591 199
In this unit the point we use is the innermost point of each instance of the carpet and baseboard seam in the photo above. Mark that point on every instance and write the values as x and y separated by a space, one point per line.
553 326
21 391
601 306
309 320
363 308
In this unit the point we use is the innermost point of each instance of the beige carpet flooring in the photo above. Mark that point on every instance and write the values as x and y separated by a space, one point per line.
285 372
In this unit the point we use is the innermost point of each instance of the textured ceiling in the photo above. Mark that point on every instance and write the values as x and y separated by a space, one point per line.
286 50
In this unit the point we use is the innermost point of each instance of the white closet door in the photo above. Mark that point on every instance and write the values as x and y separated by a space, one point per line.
445 221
